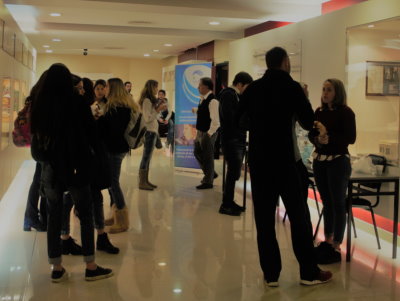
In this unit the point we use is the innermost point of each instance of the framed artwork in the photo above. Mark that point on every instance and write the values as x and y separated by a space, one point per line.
383 79
18 50
6 115
9 40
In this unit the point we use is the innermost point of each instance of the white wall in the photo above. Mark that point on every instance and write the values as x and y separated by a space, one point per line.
324 49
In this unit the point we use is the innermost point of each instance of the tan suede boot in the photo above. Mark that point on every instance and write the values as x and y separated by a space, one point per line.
143 184
110 220
121 222
147 179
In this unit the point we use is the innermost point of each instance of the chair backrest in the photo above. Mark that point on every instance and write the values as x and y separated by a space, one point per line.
376 160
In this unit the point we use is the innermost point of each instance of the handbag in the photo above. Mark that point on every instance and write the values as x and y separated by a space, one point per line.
22 129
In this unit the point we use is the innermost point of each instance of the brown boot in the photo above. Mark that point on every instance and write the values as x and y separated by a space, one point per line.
143 184
110 220
121 221
147 179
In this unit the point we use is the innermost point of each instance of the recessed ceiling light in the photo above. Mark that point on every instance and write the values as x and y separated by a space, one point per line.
371 26
177 290
214 23
56 40
49 51
46 46
55 14
156 50
146 54
162 264
167 45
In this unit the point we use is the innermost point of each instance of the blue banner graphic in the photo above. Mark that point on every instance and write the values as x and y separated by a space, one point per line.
187 97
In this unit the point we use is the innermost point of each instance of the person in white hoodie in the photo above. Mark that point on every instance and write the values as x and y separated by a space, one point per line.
151 107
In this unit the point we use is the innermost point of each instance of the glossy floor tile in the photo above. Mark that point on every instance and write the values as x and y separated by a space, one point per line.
179 248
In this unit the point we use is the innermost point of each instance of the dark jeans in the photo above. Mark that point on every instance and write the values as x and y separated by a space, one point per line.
31 211
116 191
332 178
204 153
233 151
148 147
98 211
285 181
83 203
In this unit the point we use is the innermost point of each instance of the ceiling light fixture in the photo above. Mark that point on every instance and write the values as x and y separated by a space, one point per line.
214 23
371 26
167 45
156 50
49 51
146 54
46 46
55 14
56 40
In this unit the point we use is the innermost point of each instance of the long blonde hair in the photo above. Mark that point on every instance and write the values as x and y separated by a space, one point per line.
148 92
119 97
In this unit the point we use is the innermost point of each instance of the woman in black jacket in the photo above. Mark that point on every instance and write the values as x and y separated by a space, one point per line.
61 126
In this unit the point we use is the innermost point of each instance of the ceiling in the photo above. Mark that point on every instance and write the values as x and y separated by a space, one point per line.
133 28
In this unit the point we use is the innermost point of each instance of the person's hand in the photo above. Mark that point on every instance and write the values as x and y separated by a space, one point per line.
194 110
165 121
320 127
161 107
96 110
323 139
305 88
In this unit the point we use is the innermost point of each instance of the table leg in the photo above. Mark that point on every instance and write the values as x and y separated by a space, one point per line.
395 218
349 214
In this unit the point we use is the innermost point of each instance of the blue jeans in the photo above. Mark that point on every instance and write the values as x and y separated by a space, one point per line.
31 212
332 178
115 189
54 193
148 147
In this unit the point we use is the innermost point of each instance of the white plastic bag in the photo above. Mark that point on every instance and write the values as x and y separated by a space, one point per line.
364 165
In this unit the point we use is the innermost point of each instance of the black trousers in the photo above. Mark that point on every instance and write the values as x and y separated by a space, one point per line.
268 182
233 151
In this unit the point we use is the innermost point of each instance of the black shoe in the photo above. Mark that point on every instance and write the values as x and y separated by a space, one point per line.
215 175
98 273
58 276
158 143
321 277
69 246
104 244
329 256
205 186
238 207
229 210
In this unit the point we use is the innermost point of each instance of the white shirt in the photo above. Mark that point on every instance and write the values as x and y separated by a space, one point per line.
213 107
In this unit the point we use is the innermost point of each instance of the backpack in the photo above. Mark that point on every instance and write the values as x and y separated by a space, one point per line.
22 129
135 130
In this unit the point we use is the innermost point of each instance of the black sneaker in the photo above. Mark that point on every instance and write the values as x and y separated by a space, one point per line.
69 246
104 244
329 256
215 175
321 277
238 207
205 186
271 283
59 276
228 210
98 273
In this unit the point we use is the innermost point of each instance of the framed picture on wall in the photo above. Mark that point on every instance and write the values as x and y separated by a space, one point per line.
9 40
383 79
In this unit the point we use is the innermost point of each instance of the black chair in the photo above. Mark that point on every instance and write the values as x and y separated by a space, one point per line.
363 203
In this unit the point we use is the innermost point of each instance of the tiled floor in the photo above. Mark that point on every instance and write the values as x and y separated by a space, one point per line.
179 248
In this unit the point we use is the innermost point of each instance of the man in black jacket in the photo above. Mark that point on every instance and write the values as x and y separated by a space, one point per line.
233 140
271 103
